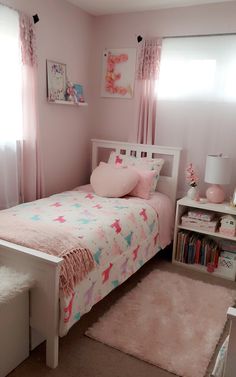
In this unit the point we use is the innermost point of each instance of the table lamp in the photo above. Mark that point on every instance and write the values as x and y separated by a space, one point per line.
218 172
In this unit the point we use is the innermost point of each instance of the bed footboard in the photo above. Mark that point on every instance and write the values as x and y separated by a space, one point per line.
44 296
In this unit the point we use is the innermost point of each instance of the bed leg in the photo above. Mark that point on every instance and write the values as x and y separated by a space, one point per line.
52 347
52 337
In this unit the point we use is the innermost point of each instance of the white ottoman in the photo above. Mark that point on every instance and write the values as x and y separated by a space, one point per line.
14 319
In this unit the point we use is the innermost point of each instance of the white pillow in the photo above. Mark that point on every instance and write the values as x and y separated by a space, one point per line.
113 182
142 163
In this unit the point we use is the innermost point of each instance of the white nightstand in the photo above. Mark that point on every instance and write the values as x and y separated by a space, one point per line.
183 205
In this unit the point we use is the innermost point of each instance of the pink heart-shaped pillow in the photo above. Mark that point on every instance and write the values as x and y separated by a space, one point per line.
113 182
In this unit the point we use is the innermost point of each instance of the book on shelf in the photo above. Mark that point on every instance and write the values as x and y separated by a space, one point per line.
228 255
228 245
193 248
79 92
197 252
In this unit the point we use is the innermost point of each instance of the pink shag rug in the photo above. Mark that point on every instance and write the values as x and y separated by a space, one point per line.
168 320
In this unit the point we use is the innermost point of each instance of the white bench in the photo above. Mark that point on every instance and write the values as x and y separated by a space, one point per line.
14 319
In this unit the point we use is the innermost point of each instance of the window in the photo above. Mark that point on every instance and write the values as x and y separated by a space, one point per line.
11 107
10 76
198 68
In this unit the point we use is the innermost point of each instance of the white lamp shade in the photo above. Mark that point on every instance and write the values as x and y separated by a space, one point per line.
218 170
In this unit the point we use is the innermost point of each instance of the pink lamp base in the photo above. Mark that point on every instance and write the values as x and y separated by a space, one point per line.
215 194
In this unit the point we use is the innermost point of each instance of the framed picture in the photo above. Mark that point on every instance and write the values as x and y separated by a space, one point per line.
79 92
118 73
56 81
234 198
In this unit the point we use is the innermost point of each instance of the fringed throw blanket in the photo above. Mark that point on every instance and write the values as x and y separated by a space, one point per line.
78 260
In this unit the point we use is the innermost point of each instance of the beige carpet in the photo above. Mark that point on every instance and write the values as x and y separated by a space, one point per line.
84 357
169 320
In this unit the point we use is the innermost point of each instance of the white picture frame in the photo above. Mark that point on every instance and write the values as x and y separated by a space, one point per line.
118 73
56 81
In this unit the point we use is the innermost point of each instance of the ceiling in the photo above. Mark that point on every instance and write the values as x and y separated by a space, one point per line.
102 7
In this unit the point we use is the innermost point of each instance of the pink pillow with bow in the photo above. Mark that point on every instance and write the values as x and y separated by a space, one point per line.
113 182
145 183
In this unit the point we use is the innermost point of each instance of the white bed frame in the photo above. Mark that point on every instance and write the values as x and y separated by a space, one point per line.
44 297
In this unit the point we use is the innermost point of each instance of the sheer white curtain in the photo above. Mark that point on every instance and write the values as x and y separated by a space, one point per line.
32 186
10 107
20 162
196 99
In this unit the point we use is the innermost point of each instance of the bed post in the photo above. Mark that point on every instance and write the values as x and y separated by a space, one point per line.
52 340
230 363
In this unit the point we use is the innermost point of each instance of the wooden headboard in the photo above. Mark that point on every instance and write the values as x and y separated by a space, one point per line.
169 175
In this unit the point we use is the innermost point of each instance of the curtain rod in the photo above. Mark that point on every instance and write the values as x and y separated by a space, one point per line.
198 35
140 37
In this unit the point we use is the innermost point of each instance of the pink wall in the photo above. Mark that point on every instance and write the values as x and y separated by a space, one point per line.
197 133
64 34
69 35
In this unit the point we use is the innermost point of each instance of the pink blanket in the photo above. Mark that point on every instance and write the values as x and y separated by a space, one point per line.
78 261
